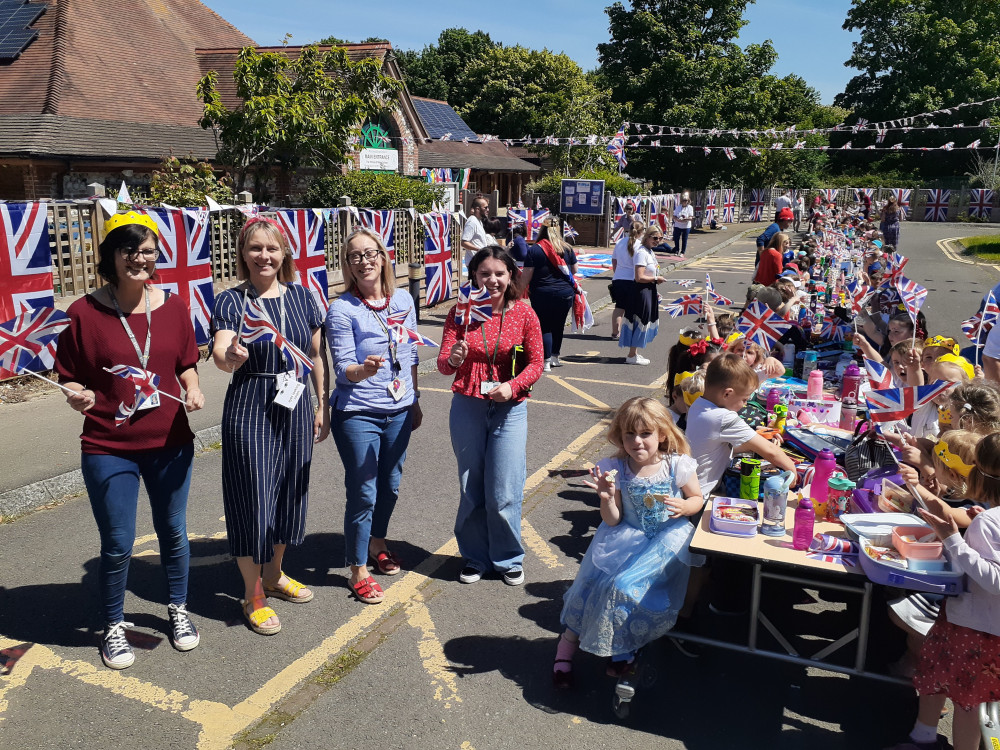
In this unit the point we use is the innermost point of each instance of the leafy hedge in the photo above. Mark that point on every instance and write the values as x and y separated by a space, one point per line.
371 190
614 183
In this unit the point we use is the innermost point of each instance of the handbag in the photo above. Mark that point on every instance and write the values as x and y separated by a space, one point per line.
867 451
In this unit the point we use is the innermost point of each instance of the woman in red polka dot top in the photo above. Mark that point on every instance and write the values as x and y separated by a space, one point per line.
489 418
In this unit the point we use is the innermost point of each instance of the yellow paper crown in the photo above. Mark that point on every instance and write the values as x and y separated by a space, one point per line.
733 338
690 398
681 377
942 341
950 460
688 340
132 217
961 362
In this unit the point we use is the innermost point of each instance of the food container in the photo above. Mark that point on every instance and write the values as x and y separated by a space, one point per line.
734 517
938 563
906 540
883 565
876 527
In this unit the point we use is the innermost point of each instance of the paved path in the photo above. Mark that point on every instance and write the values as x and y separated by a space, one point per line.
439 665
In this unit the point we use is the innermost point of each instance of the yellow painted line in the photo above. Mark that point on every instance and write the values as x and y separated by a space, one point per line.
659 382
608 382
951 255
147 538
533 541
573 389
466 746
196 561
432 653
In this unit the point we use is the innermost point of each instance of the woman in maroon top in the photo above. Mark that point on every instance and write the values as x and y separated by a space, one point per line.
125 436
489 418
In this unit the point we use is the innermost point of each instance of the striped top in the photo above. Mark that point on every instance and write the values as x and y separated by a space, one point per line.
356 332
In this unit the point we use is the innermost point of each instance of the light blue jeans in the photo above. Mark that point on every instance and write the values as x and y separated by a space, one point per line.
489 440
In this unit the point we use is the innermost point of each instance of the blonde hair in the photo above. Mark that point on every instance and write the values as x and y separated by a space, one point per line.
759 354
644 413
777 240
650 230
388 272
636 231
287 273
903 348
984 479
552 232
975 406
963 444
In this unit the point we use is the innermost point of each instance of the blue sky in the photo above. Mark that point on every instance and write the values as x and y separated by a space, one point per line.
806 33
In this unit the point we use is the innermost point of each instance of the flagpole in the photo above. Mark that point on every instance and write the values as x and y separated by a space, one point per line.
42 377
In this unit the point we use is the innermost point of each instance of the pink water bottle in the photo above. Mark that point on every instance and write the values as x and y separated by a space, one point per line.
851 383
773 399
819 490
805 520
814 391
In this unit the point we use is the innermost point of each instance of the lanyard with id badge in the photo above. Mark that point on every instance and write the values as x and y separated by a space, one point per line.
289 388
143 354
397 386
487 386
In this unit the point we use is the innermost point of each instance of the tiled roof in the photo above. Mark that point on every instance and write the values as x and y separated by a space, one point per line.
53 136
440 118
493 157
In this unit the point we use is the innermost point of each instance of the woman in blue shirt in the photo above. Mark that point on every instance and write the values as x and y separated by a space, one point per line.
374 406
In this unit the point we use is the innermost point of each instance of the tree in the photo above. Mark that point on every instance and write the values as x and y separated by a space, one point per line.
372 190
916 56
295 109
438 70
186 182
512 92
678 64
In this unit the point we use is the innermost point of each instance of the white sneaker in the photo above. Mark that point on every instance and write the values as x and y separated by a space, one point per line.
184 634
638 359
547 367
555 361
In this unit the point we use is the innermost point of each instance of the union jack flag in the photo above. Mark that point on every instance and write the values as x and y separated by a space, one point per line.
473 304
305 232
538 203
617 148
532 220
829 194
857 292
570 233
902 196
761 325
684 283
730 153
185 264
383 223
404 334
859 192
714 295
145 382
25 263
912 294
710 197
698 214
123 412
879 376
893 404
592 264
29 338
894 270
834 331
978 326
437 257
689 304
256 327
728 206
937 204
757 203
980 203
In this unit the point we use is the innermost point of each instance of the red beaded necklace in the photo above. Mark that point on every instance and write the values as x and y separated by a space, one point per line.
375 308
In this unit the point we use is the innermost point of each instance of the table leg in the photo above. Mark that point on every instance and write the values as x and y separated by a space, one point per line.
754 608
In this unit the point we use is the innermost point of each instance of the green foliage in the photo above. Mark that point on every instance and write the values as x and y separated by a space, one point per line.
371 190
985 246
295 110
614 183
438 71
186 182
679 64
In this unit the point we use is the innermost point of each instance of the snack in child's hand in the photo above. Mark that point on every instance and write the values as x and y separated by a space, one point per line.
610 476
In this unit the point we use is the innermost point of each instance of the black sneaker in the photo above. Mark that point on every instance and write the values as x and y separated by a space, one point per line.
183 632
470 574
116 651
514 577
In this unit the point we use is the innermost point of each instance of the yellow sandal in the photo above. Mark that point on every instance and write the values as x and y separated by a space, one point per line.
258 616
289 592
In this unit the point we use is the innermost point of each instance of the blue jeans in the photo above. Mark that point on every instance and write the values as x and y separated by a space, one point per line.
372 447
489 440
681 240
113 485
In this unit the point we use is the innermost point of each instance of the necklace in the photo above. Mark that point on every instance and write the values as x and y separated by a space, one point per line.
375 308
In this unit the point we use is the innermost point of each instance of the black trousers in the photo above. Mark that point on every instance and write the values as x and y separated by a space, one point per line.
551 311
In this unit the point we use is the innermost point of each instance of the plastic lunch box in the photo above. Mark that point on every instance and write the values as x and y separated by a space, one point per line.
732 527
916 550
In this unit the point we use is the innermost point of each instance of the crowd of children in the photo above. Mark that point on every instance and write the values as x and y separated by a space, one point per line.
638 576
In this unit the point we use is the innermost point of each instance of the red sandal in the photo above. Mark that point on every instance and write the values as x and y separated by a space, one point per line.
367 591
387 563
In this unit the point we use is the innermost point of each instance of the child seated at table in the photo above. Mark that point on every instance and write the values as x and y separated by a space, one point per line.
687 387
755 356
631 583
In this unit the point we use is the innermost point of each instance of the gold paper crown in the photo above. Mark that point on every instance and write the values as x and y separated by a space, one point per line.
950 460
132 217
960 362
689 340
681 376
942 341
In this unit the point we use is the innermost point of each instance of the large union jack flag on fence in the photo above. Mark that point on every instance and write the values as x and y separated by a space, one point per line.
437 257
256 327
383 223
728 206
899 403
306 231
532 219
761 325
859 192
902 196
28 341
25 260
757 203
937 204
185 264
980 203
710 198
829 194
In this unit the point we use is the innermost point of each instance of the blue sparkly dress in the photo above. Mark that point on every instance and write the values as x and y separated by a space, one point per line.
632 581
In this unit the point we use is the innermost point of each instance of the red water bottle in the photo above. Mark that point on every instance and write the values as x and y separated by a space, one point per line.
851 383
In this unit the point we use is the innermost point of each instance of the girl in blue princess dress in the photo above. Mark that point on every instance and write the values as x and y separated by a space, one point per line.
631 583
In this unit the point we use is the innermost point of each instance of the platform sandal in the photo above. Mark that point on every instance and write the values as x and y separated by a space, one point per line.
290 592
257 616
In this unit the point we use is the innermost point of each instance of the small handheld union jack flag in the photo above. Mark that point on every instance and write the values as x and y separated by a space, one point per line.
979 325
473 304
856 292
714 295
31 334
401 334
879 376
912 294
256 327
689 304
146 382
569 232
898 403
684 283
834 331
894 270
761 325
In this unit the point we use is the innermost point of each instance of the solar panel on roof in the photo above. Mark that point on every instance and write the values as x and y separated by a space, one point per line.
15 18
439 118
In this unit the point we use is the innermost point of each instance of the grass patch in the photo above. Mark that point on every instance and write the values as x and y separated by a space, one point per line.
334 672
253 739
986 246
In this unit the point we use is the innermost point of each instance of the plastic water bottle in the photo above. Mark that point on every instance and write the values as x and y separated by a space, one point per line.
842 364
814 389
773 398
805 522
848 414
788 358
851 383
819 491
808 363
